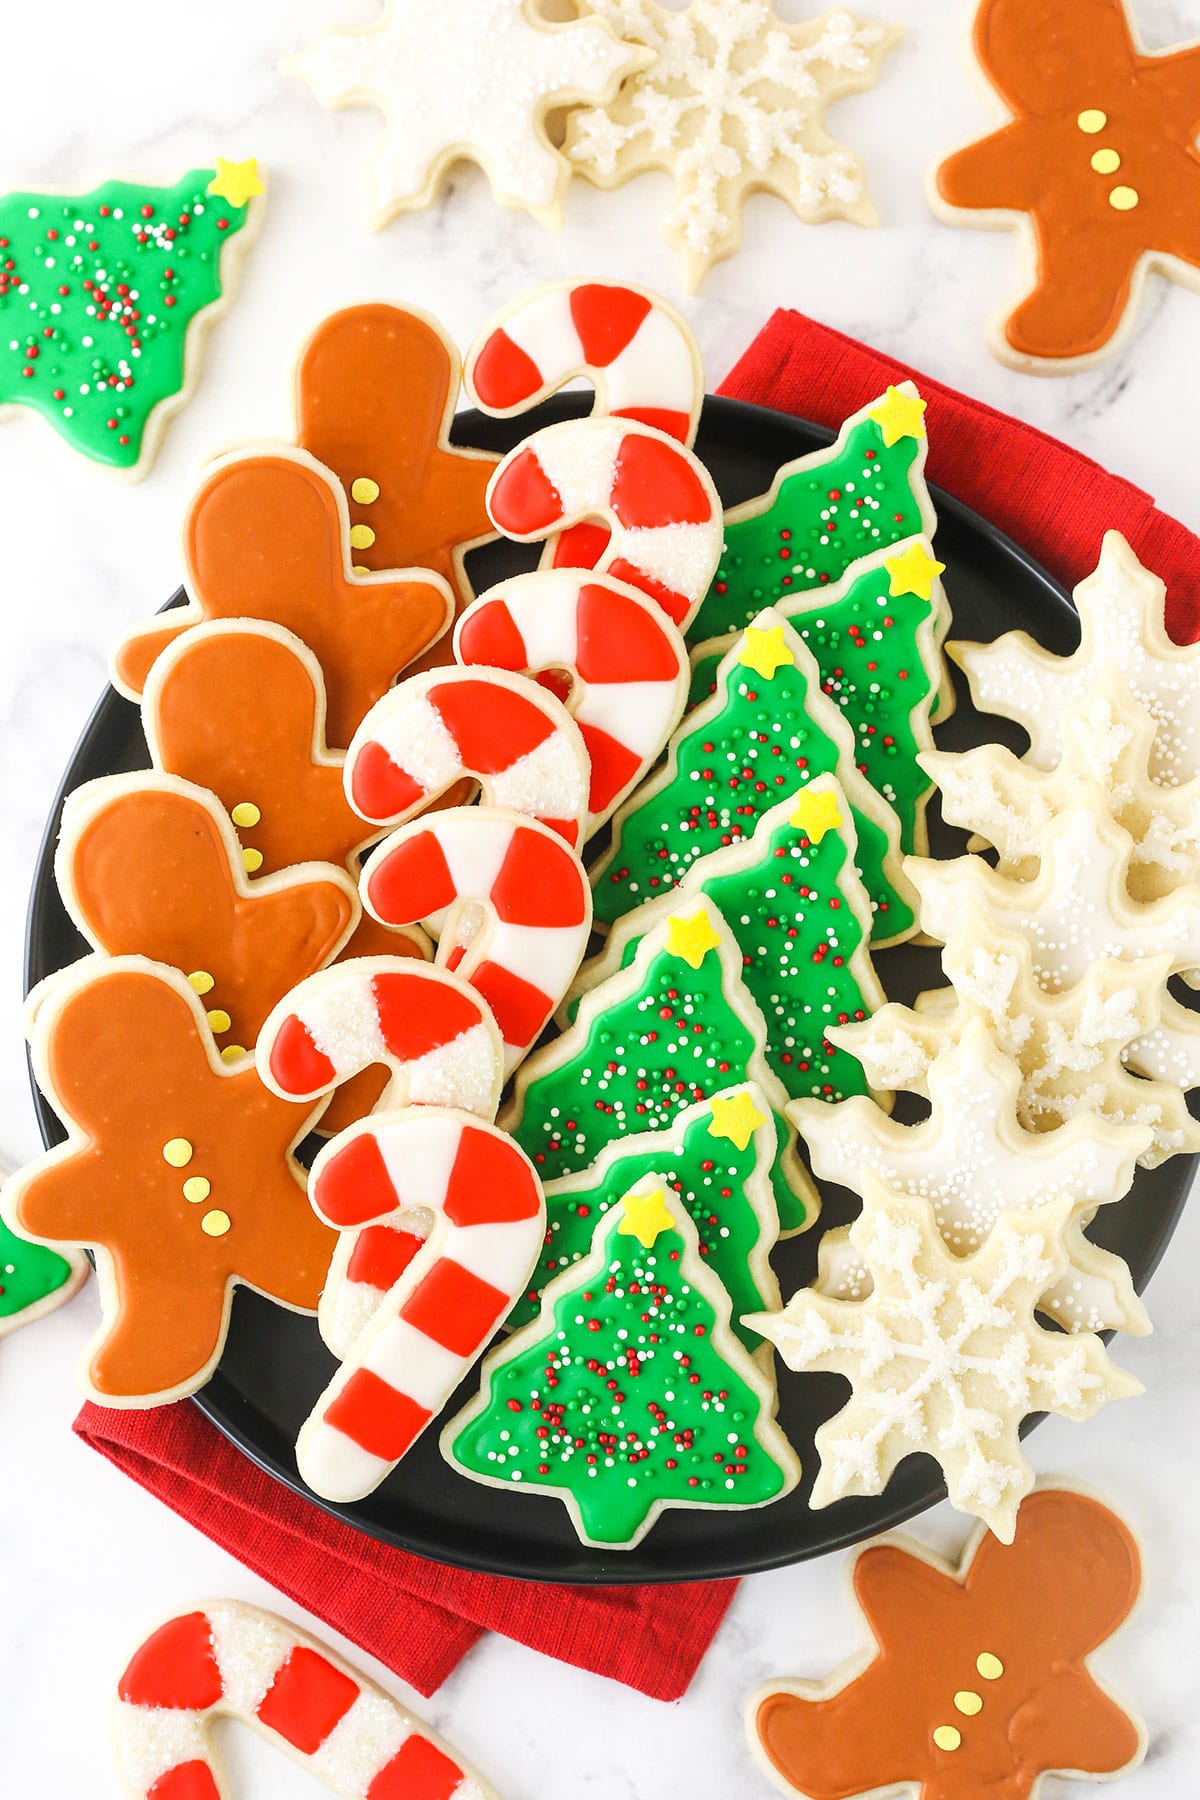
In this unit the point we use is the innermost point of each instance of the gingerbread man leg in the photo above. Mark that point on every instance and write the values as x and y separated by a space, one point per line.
135 1359
1079 299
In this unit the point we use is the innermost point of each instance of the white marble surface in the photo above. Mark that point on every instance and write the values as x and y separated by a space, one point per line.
87 1562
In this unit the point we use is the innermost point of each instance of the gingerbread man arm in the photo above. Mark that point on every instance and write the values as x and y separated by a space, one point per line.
289 1261
1072 1724
988 176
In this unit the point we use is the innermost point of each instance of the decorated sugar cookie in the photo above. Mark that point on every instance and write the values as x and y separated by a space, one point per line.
376 390
734 102
1095 165
801 922
629 1393
972 1159
238 706
268 537
34 1281
148 865
944 1355
355 1098
105 299
649 1040
431 71
235 1661
981 1676
177 1172
766 733
488 1221
625 661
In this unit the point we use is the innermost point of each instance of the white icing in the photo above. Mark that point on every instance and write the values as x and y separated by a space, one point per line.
250 1647
578 458
362 1743
413 1363
419 1161
333 1465
410 729
343 1020
549 782
681 557
475 845
462 1073
657 368
544 955
150 1740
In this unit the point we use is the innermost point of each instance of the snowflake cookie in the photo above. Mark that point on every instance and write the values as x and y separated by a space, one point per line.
944 1355
470 81
733 102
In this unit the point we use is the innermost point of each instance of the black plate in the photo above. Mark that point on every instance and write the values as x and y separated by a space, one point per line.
275 1365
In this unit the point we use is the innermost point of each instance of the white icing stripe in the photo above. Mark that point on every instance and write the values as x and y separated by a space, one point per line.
474 849
544 330
547 782
463 1074
249 1653
414 1364
544 956
578 459
638 714
656 368
683 557
412 731
343 1022
151 1740
497 1253
334 1466
362 1743
420 1163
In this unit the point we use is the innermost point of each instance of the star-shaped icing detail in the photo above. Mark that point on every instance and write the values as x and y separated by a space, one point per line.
817 810
236 182
736 1119
764 651
1122 626
900 414
692 936
471 80
645 1215
914 571
944 1355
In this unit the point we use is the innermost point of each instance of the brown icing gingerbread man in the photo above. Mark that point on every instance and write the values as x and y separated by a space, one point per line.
980 1685
150 866
376 389
177 1171
267 537
1100 155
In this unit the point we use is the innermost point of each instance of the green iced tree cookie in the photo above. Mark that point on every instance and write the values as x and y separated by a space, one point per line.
628 1393
33 1280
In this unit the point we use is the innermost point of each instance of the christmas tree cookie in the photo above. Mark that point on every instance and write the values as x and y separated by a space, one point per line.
766 733
800 920
104 298
865 492
629 1392
34 1279
673 1027
876 639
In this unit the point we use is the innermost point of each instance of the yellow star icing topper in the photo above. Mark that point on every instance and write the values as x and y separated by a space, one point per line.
644 1216
692 938
236 182
899 415
736 1119
816 814
913 572
765 651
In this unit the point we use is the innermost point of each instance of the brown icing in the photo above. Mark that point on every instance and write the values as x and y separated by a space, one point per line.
265 540
1011 1632
362 1093
128 1067
149 873
1082 96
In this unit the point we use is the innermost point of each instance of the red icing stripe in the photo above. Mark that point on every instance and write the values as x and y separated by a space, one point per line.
607 320
613 765
581 546
540 883
417 1015
676 606
490 1183
381 1255
567 829
410 881
489 635
519 1007
186 1781
378 788
492 726
175 1668
353 1185
418 1771
377 1417
307 1699
455 1307
503 375
655 484
672 424
523 499
296 1063
617 640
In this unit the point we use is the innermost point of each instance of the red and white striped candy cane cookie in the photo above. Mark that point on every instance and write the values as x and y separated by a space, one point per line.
238 1661
508 901
628 665
489 1220
510 735
656 499
434 1034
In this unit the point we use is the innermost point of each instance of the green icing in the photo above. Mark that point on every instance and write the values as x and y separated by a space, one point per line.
825 516
709 1175
96 296
865 645
618 1398
760 747
29 1273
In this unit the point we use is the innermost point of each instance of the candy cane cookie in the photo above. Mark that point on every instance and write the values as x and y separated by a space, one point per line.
508 734
488 1222
434 1034
508 901
240 1662
656 499
627 664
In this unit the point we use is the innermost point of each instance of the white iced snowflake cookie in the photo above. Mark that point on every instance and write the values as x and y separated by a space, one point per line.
733 102
944 1355
473 81
972 1159
1122 626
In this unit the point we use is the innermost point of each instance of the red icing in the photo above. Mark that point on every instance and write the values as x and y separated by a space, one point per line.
411 880
581 546
488 635
503 374
378 1417
379 789
490 1183
492 726
354 1184
523 500
567 829
613 765
673 424
417 1014
455 1307
175 1668
307 1699
296 1063
618 641
606 319
676 606
520 1009
418 1771
539 883
381 1255
186 1781
654 485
